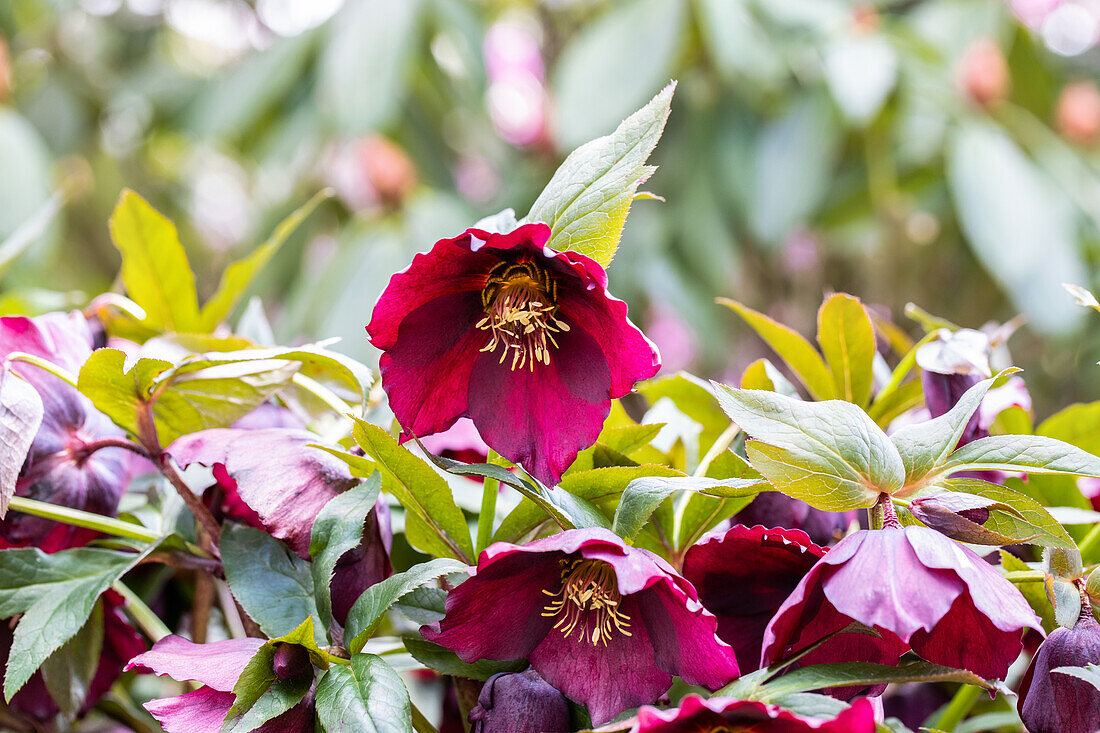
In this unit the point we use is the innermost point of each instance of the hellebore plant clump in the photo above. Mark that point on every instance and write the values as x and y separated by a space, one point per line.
292 540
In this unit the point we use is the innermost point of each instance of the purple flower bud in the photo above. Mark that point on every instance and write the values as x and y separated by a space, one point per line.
291 661
961 517
1055 702
519 703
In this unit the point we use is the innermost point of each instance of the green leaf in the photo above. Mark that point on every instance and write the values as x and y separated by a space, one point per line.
55 593
367 611
1024 515
828 454
366 696
433 523
795 351
586 202
117 393
1077 425
69 671
260 695
446 662
847 339
694 398
642 496
338 528
1089 673
1027 453
238 276
858 674
1032 591
273 585
702 513
923 446
20 416
154 265
425 605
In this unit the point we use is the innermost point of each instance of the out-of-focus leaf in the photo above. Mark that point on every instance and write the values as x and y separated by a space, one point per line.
368 50
238 276
69 671
633 43
1020 228
367 611
29 232
738 43
792 169
587 200
433 523
273 585
155 269
25 185
795 351
20 416
860 70
847 339
693 397
366 696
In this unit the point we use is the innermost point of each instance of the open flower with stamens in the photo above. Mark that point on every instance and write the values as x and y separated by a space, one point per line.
606 624
522 339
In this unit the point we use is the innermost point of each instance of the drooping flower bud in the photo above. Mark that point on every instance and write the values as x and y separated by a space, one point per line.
1051 701
519 703
962 517
291 662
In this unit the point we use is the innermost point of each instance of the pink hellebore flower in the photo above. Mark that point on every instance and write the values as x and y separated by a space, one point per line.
217 666
918 589
606 624
1055 702
522 339
720 714
743 575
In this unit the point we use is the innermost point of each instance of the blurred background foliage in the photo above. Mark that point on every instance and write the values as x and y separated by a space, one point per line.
943 152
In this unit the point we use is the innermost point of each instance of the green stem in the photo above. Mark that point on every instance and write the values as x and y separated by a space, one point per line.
958 708
902 370
874 516
41 363
1025 576
420 723
1090 546
487 516
149 622
79 518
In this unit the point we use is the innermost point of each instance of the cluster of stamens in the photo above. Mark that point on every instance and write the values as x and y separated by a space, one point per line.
588 602
520 302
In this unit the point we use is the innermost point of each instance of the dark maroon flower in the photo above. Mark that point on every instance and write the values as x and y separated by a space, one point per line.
217 666
743 575
918 590
522 339
721 714
59 468
273 480
519 703
774 509
1056 702
120 642
607 624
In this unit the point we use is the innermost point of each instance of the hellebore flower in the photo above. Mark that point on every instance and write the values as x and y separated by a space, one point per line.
519 703
522 339
722 714
918 590
774 509
605 623
273 480
951 365
1056 702
743 575
120 642
60 468
217 666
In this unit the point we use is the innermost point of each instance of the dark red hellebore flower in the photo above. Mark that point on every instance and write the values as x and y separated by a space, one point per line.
725 715
1056 702
519 703
522 339
607 624
743 575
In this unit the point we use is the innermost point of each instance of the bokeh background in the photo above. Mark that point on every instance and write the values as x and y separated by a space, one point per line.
941 152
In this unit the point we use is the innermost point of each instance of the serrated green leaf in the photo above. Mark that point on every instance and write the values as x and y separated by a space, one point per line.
1025 521
847 339
433 523
445 661
828 454
858 674
795 351
643 495
69 671
260 695
155 269
238 276
366 696
272 584
338 528
368 609
587 200
1027 453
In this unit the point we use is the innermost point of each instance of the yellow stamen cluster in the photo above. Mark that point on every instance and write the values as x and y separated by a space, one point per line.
520 302
588 600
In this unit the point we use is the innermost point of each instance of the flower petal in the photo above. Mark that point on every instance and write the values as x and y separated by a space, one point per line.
217 664
684 639
201 711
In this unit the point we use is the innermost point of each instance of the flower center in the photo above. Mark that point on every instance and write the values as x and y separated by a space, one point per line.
520 303
588 601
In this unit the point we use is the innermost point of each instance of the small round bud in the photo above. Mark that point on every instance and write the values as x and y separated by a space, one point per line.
291 661
1077 116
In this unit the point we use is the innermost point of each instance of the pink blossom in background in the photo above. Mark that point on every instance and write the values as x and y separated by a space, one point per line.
673 336
516 99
